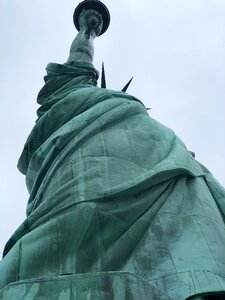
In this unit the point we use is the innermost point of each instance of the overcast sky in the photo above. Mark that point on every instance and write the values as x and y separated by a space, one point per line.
175 49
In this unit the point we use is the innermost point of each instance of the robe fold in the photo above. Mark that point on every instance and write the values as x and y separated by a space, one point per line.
118 207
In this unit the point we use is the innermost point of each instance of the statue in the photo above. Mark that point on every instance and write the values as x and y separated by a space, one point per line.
118 207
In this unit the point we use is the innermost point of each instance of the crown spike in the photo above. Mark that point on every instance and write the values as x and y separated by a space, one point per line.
103 80
127 85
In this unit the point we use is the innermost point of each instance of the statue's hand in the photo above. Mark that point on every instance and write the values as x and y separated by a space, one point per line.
90 22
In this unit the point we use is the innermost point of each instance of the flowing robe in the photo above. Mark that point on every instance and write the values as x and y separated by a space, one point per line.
118 207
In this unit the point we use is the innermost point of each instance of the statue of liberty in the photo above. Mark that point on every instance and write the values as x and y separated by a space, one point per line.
118 207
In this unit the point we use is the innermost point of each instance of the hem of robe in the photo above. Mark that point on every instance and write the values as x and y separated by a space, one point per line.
102 286
117 286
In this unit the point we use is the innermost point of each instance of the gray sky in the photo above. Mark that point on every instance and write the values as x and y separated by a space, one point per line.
175 50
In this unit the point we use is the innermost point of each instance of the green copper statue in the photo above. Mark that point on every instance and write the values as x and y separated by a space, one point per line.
118 208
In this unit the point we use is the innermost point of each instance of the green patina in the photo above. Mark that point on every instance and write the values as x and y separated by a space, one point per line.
118 207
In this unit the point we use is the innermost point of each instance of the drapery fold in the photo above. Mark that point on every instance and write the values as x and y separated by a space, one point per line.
113 190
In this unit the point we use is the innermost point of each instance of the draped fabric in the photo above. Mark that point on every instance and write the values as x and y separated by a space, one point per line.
112 191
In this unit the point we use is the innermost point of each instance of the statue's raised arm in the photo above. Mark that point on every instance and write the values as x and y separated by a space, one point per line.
82 48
